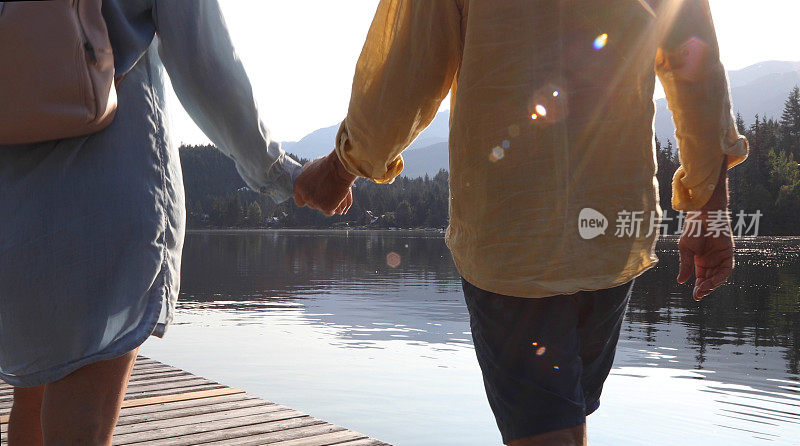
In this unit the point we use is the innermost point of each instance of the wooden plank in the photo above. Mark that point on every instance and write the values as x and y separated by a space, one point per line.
254 438
158 399
153 369
147 362
154 365
199 418
154 372
233 436
150 368
177 413
147 387
146 390
324 439
364 442
172 391
201 427
141 360
161 374
168 381
182 404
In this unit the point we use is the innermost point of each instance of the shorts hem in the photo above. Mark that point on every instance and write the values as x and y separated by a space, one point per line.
543 425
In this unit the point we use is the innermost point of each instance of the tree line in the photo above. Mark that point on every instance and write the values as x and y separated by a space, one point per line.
767 182
216 197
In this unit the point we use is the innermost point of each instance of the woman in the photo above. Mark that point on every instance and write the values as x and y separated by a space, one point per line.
92 228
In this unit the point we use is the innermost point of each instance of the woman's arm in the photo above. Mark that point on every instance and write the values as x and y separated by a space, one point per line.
213 87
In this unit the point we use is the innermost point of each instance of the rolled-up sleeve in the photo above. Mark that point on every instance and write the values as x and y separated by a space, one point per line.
689 67
407 66
213 87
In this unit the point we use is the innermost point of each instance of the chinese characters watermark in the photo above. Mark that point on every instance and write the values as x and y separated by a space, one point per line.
718 223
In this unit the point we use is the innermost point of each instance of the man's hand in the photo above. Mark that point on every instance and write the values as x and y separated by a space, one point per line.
709 254
326 185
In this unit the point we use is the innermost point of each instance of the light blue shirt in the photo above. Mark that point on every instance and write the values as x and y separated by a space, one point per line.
92 228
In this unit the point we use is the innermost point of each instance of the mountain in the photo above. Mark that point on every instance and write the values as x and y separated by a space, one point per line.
758 89
315 144
426 160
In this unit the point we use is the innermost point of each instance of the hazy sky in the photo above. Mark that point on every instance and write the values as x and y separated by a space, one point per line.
300 54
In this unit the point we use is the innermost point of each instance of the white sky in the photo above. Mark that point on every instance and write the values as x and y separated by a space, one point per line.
300 54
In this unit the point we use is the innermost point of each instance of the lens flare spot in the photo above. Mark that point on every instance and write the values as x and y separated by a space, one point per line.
505 144
540 110
600 42
540 351
393 259
555 94
534 116
534 344
497 154
555 367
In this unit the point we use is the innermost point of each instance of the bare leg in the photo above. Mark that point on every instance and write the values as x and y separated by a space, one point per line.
574 436
82 408
25 421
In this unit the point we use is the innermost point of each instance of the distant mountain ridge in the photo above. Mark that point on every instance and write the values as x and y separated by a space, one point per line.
760 89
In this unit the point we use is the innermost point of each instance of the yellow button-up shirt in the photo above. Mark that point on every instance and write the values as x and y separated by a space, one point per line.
551 120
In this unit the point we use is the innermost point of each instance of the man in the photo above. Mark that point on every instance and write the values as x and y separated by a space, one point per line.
551 138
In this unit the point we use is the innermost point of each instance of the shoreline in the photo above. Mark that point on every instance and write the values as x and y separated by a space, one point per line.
317 230
431 232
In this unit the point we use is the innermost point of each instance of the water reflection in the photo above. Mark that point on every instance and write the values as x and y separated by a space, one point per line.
724 368
342 280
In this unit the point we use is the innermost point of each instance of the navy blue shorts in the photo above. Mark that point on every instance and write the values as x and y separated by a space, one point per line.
544 360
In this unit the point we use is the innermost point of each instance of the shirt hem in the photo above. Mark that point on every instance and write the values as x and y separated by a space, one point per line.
535 291
114 350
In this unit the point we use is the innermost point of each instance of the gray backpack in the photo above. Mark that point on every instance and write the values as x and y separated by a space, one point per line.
56 70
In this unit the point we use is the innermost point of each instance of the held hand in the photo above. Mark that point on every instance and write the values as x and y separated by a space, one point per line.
324 184
708 255
346 203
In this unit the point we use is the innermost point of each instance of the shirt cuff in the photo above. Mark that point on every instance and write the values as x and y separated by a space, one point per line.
380 172
278 179
692 196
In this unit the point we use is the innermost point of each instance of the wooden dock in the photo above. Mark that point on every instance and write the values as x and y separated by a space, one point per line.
168 406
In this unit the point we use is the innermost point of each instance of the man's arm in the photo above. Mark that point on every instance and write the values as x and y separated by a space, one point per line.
696 86
407 66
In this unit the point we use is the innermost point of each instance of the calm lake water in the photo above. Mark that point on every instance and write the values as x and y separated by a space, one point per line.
320 322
